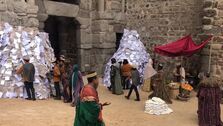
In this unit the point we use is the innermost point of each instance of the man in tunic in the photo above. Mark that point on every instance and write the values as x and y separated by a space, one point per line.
160 88
28 73
126 73
179 73
135 79
209 98
88 109
115 78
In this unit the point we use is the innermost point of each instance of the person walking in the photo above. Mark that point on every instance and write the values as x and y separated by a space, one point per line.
135 79
126 73
28 73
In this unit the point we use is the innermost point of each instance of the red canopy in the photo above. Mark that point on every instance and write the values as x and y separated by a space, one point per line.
182 47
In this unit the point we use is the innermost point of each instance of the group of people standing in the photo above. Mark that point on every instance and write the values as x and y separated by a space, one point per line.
71 79
124 76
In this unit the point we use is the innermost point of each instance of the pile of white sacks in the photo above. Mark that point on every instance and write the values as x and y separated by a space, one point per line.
157 106
16 42
132 49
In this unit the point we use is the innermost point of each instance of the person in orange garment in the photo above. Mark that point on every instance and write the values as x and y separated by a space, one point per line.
56 79
126 73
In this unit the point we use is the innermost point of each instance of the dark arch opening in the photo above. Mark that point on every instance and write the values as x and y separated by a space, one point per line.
64 35
77 2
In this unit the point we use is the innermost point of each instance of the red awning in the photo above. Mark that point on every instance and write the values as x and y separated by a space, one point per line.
182 47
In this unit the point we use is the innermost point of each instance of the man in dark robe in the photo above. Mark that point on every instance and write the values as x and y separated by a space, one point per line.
209 98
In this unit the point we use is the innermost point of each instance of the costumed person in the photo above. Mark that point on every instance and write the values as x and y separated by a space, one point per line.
135 79
209 99
77 84
149 72
179 73
56 79
126 73
66 90
28 73
160 88
64 78
115 77
88 109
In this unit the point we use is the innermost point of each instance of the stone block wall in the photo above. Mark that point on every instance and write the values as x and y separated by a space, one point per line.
162 21
212 56
107 19
19 12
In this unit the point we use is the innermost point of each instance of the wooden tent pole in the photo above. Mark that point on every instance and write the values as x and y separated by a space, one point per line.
210 56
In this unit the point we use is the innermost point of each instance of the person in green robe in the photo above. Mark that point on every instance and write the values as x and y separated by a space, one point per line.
116 83
88 109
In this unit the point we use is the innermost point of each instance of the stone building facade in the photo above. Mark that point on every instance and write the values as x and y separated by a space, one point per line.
88 31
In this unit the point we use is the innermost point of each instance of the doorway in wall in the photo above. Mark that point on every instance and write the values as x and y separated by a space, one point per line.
118 40
64 35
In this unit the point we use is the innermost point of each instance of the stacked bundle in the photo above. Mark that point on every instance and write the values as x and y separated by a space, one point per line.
19 42
157 106
132 49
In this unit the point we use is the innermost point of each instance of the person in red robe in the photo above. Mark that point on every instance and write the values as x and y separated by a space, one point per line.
89 109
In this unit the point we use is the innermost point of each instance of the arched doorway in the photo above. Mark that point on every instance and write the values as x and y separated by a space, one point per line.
64 35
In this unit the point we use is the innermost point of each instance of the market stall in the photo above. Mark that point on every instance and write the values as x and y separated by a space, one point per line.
183 47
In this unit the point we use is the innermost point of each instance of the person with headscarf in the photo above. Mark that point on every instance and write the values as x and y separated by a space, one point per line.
115 78
209 99
77 84
160 88
149 72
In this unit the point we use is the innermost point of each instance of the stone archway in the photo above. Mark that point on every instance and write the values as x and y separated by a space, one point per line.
64 35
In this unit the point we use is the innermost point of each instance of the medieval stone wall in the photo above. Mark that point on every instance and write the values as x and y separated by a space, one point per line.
19 12
212 57
162 21
107 20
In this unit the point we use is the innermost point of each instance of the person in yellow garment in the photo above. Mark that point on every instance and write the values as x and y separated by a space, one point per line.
89 109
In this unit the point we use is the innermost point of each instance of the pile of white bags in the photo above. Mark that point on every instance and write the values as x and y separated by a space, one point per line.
132 49
16 43
157 106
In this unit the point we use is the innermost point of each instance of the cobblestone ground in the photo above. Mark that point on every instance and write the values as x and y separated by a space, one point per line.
122 112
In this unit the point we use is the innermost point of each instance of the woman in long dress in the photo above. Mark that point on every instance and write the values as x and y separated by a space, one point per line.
116 78
160 88
77 85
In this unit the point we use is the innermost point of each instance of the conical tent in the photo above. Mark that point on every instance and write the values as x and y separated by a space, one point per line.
16 43
132 49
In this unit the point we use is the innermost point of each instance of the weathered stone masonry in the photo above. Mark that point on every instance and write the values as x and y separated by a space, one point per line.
98 21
